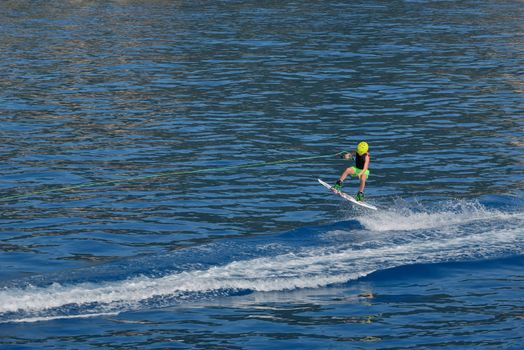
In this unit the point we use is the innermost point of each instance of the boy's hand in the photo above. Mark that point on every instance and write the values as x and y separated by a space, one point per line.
346 155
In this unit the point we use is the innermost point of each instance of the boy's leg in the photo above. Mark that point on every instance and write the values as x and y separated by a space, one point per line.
348 171
363 178
362 183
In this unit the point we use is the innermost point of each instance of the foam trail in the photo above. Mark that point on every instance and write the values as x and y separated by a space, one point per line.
62 317
450 214
304 268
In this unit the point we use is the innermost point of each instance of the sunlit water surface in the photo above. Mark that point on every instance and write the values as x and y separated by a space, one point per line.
159 165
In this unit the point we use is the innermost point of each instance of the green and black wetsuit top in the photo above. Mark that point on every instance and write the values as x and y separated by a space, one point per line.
360 160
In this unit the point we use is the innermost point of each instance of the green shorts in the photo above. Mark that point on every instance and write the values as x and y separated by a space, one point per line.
358 171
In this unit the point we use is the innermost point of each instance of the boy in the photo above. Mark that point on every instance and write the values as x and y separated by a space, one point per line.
361 169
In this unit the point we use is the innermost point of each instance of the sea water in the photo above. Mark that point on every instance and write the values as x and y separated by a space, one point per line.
159 165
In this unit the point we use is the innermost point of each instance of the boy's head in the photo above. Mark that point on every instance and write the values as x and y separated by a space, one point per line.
362 148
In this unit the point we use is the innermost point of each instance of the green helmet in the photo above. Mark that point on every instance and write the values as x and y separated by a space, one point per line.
362 148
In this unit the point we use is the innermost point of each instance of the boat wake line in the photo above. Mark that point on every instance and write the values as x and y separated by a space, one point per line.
333 254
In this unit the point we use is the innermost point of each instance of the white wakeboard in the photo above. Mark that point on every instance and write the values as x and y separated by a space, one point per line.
347 196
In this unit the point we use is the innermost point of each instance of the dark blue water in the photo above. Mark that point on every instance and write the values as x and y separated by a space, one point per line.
159 165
